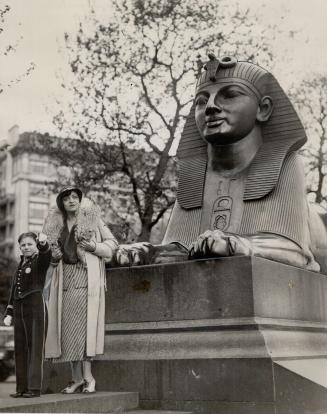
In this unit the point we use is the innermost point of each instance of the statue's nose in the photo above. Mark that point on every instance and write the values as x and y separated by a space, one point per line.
212 105
211 108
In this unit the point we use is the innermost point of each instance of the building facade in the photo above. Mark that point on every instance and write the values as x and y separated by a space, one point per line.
25 198
24 195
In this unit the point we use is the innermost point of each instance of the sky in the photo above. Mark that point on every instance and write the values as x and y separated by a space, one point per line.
42 24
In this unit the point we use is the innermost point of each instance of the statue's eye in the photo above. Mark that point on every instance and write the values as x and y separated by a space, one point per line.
201 100
229 93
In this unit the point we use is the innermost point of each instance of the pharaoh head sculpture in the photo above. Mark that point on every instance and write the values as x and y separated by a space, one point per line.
228 107
271 110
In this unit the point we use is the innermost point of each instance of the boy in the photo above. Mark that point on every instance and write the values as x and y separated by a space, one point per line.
26 307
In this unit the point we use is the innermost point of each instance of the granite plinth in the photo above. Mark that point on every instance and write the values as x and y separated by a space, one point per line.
205 335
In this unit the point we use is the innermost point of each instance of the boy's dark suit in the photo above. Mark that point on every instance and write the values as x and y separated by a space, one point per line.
27 306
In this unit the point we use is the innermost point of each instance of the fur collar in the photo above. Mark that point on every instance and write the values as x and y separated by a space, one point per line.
87 219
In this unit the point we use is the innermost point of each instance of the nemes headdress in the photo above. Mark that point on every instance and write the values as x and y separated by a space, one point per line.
282 133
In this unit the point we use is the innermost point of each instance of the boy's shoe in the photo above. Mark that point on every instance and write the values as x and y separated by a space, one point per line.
17 394
31 394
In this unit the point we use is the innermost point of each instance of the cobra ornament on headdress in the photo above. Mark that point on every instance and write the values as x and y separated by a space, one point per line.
282 133
213 64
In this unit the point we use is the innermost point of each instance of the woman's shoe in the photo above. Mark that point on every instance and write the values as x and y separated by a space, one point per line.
73 387
89 386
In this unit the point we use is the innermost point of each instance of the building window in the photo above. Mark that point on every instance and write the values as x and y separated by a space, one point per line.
38 210
39 167
38 190
36 228
2 212
11 209
15 166
2 233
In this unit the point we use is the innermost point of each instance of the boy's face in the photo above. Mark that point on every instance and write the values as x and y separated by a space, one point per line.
28 246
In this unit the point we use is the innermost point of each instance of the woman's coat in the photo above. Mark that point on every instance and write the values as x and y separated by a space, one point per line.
106 244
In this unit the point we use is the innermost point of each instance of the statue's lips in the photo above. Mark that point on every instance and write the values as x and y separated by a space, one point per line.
212 123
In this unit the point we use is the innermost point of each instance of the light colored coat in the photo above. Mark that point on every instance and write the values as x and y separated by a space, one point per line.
105 246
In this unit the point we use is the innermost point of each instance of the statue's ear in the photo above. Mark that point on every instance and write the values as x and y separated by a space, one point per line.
265 109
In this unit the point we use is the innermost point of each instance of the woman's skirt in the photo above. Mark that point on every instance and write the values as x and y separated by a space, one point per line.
74 314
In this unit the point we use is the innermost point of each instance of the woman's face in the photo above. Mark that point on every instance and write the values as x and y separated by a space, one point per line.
71 202
28 246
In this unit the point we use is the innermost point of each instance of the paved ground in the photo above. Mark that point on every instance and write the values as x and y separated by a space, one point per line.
101 402
7 387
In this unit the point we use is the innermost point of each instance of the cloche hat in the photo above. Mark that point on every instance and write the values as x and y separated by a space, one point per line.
65 191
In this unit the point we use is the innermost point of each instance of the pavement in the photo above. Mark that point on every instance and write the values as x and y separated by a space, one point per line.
7 387
100 402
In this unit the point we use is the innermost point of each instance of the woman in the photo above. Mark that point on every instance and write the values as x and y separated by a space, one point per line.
80 243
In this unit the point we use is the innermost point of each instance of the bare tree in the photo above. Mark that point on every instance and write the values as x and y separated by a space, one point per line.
8 48
135 78
310 98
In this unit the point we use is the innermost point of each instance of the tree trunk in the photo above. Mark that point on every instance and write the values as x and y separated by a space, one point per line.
144 236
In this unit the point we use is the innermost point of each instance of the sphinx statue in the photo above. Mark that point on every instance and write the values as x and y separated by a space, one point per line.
241 184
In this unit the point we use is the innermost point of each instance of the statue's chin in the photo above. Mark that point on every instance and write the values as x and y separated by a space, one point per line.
221 139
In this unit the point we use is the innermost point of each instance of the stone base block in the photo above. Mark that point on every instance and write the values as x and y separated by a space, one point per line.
208 336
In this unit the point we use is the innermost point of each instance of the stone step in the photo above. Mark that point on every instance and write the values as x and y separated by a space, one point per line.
158 412
100 402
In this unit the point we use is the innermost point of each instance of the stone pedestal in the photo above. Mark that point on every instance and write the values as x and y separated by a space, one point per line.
231 335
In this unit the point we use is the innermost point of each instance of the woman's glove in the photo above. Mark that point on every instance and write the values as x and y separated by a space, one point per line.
89 246
56 253
7 320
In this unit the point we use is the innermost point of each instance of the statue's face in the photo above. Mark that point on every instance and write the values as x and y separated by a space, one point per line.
225 112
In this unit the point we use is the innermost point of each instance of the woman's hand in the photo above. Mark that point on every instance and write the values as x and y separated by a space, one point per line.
56 252
89 246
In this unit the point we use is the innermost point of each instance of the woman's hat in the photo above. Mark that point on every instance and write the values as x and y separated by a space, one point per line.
66 191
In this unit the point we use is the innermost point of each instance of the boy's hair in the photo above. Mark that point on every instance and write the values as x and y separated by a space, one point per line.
27 234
